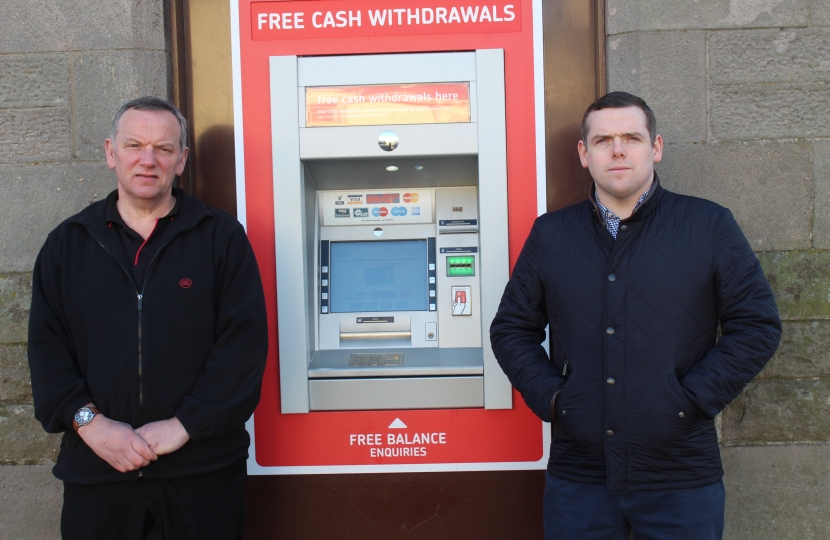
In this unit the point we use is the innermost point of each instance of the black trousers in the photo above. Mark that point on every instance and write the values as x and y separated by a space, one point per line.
203 506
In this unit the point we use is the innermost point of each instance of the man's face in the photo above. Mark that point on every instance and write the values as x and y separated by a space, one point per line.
146 155
619 153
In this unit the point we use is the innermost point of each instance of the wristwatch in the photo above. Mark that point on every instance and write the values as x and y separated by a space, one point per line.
84 416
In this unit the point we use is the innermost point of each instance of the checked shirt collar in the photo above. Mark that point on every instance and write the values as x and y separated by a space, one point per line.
612 220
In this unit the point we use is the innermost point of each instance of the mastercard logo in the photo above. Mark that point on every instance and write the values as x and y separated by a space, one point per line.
411 197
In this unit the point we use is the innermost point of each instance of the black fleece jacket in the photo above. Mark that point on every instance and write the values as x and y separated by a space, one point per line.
190 341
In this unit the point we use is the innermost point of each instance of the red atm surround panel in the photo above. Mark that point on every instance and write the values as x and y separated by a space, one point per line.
417 440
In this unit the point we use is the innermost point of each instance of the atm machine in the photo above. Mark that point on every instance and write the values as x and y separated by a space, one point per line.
391 237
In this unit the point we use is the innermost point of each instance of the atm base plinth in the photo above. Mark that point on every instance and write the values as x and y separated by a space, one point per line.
396 393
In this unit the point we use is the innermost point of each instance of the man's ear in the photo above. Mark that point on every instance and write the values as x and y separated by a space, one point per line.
658 148
583 153
109 150
180 166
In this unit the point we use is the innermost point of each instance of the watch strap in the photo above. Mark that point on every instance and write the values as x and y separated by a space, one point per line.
75 425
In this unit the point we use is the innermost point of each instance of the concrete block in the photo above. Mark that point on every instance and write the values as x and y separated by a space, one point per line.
819 13
821 194
804 351
644 15
795 410
780 111
15 301
28 135
766 185
72 25
800 281
15 382
57 191
103 82
769 56
22 439
30 503
777 492
34 81
668 70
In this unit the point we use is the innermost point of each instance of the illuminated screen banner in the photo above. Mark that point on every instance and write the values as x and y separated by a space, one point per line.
374 105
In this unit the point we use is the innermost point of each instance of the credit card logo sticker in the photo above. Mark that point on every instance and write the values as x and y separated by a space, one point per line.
342 212
339 200
361 212
355 199
416 210
379 211
411 198
398 210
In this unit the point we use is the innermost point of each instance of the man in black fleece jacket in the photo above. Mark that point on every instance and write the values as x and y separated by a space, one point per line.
147 344
634 285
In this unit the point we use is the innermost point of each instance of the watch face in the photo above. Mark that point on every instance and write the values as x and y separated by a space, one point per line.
84 416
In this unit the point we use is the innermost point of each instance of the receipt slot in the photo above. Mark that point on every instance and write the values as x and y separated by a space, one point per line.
391 234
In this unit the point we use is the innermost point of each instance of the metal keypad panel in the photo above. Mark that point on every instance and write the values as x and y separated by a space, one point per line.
385 359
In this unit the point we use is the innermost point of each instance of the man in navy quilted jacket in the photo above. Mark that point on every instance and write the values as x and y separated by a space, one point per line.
634 284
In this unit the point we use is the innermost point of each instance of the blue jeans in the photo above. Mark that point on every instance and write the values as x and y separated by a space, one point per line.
575 511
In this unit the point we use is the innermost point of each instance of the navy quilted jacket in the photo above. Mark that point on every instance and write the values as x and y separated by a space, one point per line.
634 347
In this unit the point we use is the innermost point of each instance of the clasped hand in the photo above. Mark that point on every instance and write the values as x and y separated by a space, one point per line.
128 449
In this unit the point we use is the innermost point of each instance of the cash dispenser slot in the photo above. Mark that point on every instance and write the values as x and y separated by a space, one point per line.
345 336
375 328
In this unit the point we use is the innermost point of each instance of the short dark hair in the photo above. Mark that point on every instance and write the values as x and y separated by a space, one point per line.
620 100
151 103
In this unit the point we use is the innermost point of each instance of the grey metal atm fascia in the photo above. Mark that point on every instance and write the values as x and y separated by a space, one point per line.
387 69
289 232
288 75
492 207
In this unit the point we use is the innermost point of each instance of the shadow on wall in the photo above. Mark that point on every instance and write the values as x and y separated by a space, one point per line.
215 175
567 182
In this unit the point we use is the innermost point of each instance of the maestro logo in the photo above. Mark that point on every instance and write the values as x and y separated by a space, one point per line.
380 211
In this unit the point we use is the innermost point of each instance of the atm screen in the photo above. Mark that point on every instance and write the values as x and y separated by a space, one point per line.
378 276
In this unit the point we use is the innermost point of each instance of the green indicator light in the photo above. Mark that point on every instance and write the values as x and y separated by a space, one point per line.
461 266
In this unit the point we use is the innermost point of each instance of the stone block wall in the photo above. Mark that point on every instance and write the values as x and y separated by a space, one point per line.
741 90
65 67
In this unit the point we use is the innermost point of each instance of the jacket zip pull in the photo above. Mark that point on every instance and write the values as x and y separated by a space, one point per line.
140 298
565 368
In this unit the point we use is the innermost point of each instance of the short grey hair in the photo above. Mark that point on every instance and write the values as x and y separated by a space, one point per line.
151 103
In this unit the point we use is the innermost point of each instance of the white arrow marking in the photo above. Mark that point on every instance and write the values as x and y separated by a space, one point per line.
397 424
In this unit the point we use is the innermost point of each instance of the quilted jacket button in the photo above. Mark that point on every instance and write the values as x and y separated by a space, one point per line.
681 414
611 381
623 227
609 330
609 433
612 277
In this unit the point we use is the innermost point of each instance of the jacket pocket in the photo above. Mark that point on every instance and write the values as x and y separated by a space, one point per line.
685 409
561 398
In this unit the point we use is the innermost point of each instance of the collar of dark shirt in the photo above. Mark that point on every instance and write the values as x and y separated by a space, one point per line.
114 216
